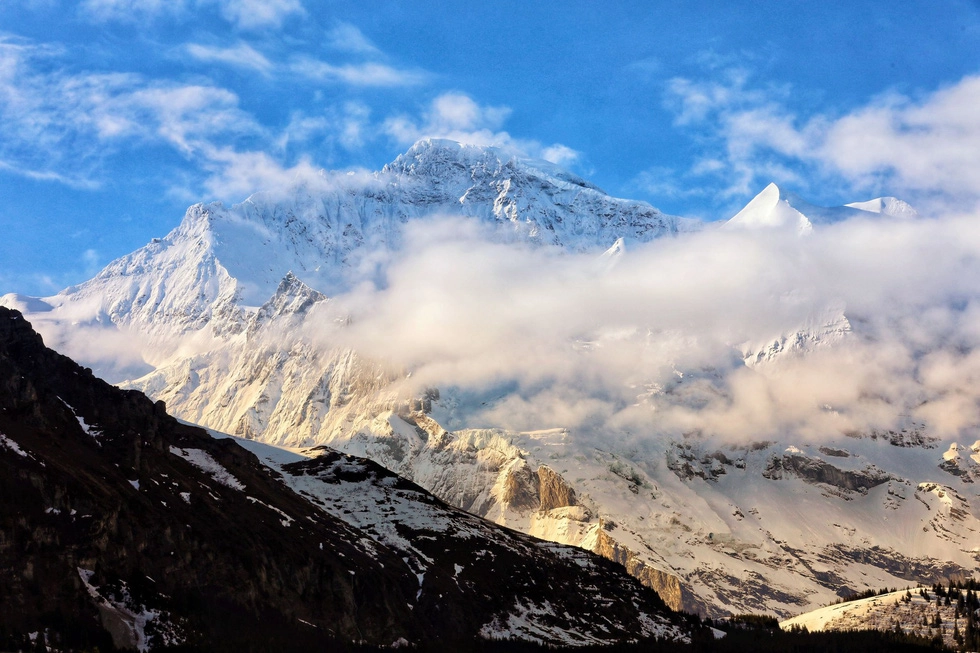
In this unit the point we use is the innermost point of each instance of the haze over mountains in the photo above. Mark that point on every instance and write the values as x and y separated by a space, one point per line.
757 416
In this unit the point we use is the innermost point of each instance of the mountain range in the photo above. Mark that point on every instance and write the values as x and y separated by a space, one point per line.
245 320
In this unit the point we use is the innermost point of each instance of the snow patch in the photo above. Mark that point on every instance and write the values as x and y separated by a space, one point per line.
286 519
88 428
126 620
203 461
7 443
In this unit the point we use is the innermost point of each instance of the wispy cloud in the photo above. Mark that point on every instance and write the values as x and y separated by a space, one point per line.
244 14
253 14
240 56
60 126
357 74
348 38
131 10
237 174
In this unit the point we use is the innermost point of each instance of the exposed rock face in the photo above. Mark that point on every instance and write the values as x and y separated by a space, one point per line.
553 490
521 487
962 461
668 586
815 470
120 526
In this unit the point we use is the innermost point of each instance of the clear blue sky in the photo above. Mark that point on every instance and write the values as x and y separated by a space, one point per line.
116 115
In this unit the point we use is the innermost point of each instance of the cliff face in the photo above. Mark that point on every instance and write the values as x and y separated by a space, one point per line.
669 587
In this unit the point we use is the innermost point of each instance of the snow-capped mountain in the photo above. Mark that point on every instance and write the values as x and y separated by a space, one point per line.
237 325
205 276
777 208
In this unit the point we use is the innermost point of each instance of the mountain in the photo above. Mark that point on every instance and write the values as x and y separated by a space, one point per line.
235 321
121 526
777 208
204 276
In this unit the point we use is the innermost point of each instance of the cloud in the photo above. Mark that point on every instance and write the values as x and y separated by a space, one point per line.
348 38
458 117
241 55
244 14
357 74
91 262
924 147
131 10
254 14
60 127
930 145
235 174
532 338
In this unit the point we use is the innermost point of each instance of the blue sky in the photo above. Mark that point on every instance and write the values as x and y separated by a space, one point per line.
116 115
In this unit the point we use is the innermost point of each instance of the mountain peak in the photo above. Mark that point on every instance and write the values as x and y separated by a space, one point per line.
886 206
293 297
775 207
772 207
442 158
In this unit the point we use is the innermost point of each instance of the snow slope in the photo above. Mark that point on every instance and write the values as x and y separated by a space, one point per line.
913 613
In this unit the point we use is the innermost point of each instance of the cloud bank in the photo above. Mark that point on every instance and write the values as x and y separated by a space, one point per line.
655 343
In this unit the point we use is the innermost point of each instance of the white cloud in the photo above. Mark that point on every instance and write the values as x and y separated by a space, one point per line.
131 10
60 127
354 123
561 155
254 14
91 262
188 117
930 145
245 14
567 344
348 38
458 117
359 74
237 174
927 146
241 55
